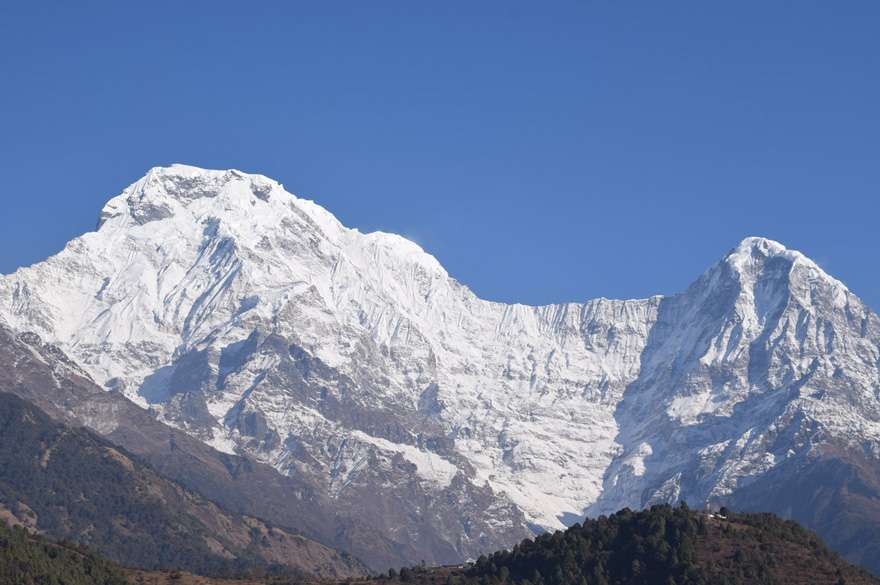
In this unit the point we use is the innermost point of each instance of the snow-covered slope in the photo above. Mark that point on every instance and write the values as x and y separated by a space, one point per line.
255 321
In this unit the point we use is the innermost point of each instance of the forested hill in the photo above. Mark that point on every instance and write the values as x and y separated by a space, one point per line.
26 559
664 546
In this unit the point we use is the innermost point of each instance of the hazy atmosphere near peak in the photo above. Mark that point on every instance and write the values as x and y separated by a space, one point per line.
598 150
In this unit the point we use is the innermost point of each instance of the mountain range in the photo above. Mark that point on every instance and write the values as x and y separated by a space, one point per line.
390 412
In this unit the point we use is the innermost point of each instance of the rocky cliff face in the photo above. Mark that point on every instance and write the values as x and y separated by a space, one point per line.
255 322
236 486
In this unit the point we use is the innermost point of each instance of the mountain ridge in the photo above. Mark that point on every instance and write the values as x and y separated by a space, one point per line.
45 377
68 483
257 323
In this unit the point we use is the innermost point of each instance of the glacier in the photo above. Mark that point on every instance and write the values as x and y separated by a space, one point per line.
255 321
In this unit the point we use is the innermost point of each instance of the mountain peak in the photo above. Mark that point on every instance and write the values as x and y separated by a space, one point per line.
751 258
165 190
249 207
249 317
760 249
762 245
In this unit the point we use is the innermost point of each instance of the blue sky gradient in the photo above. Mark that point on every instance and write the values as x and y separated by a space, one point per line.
542 151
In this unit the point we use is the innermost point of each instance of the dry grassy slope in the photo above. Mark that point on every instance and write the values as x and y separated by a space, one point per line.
180 578
836 492
726 543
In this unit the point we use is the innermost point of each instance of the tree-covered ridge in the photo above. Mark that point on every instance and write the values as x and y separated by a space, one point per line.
663 545
669 545
26 559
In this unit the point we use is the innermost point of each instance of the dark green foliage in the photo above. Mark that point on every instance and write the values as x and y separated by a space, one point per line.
26 559
657 546
662 546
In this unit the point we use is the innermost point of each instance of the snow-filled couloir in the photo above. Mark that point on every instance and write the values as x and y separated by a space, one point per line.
255 321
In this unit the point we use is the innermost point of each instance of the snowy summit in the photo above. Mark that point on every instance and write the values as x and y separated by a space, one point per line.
255 321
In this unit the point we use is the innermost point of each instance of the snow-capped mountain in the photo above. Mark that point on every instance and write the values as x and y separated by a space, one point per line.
256 322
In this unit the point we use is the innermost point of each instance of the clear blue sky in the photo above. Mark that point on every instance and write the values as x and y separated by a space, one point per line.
543 151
